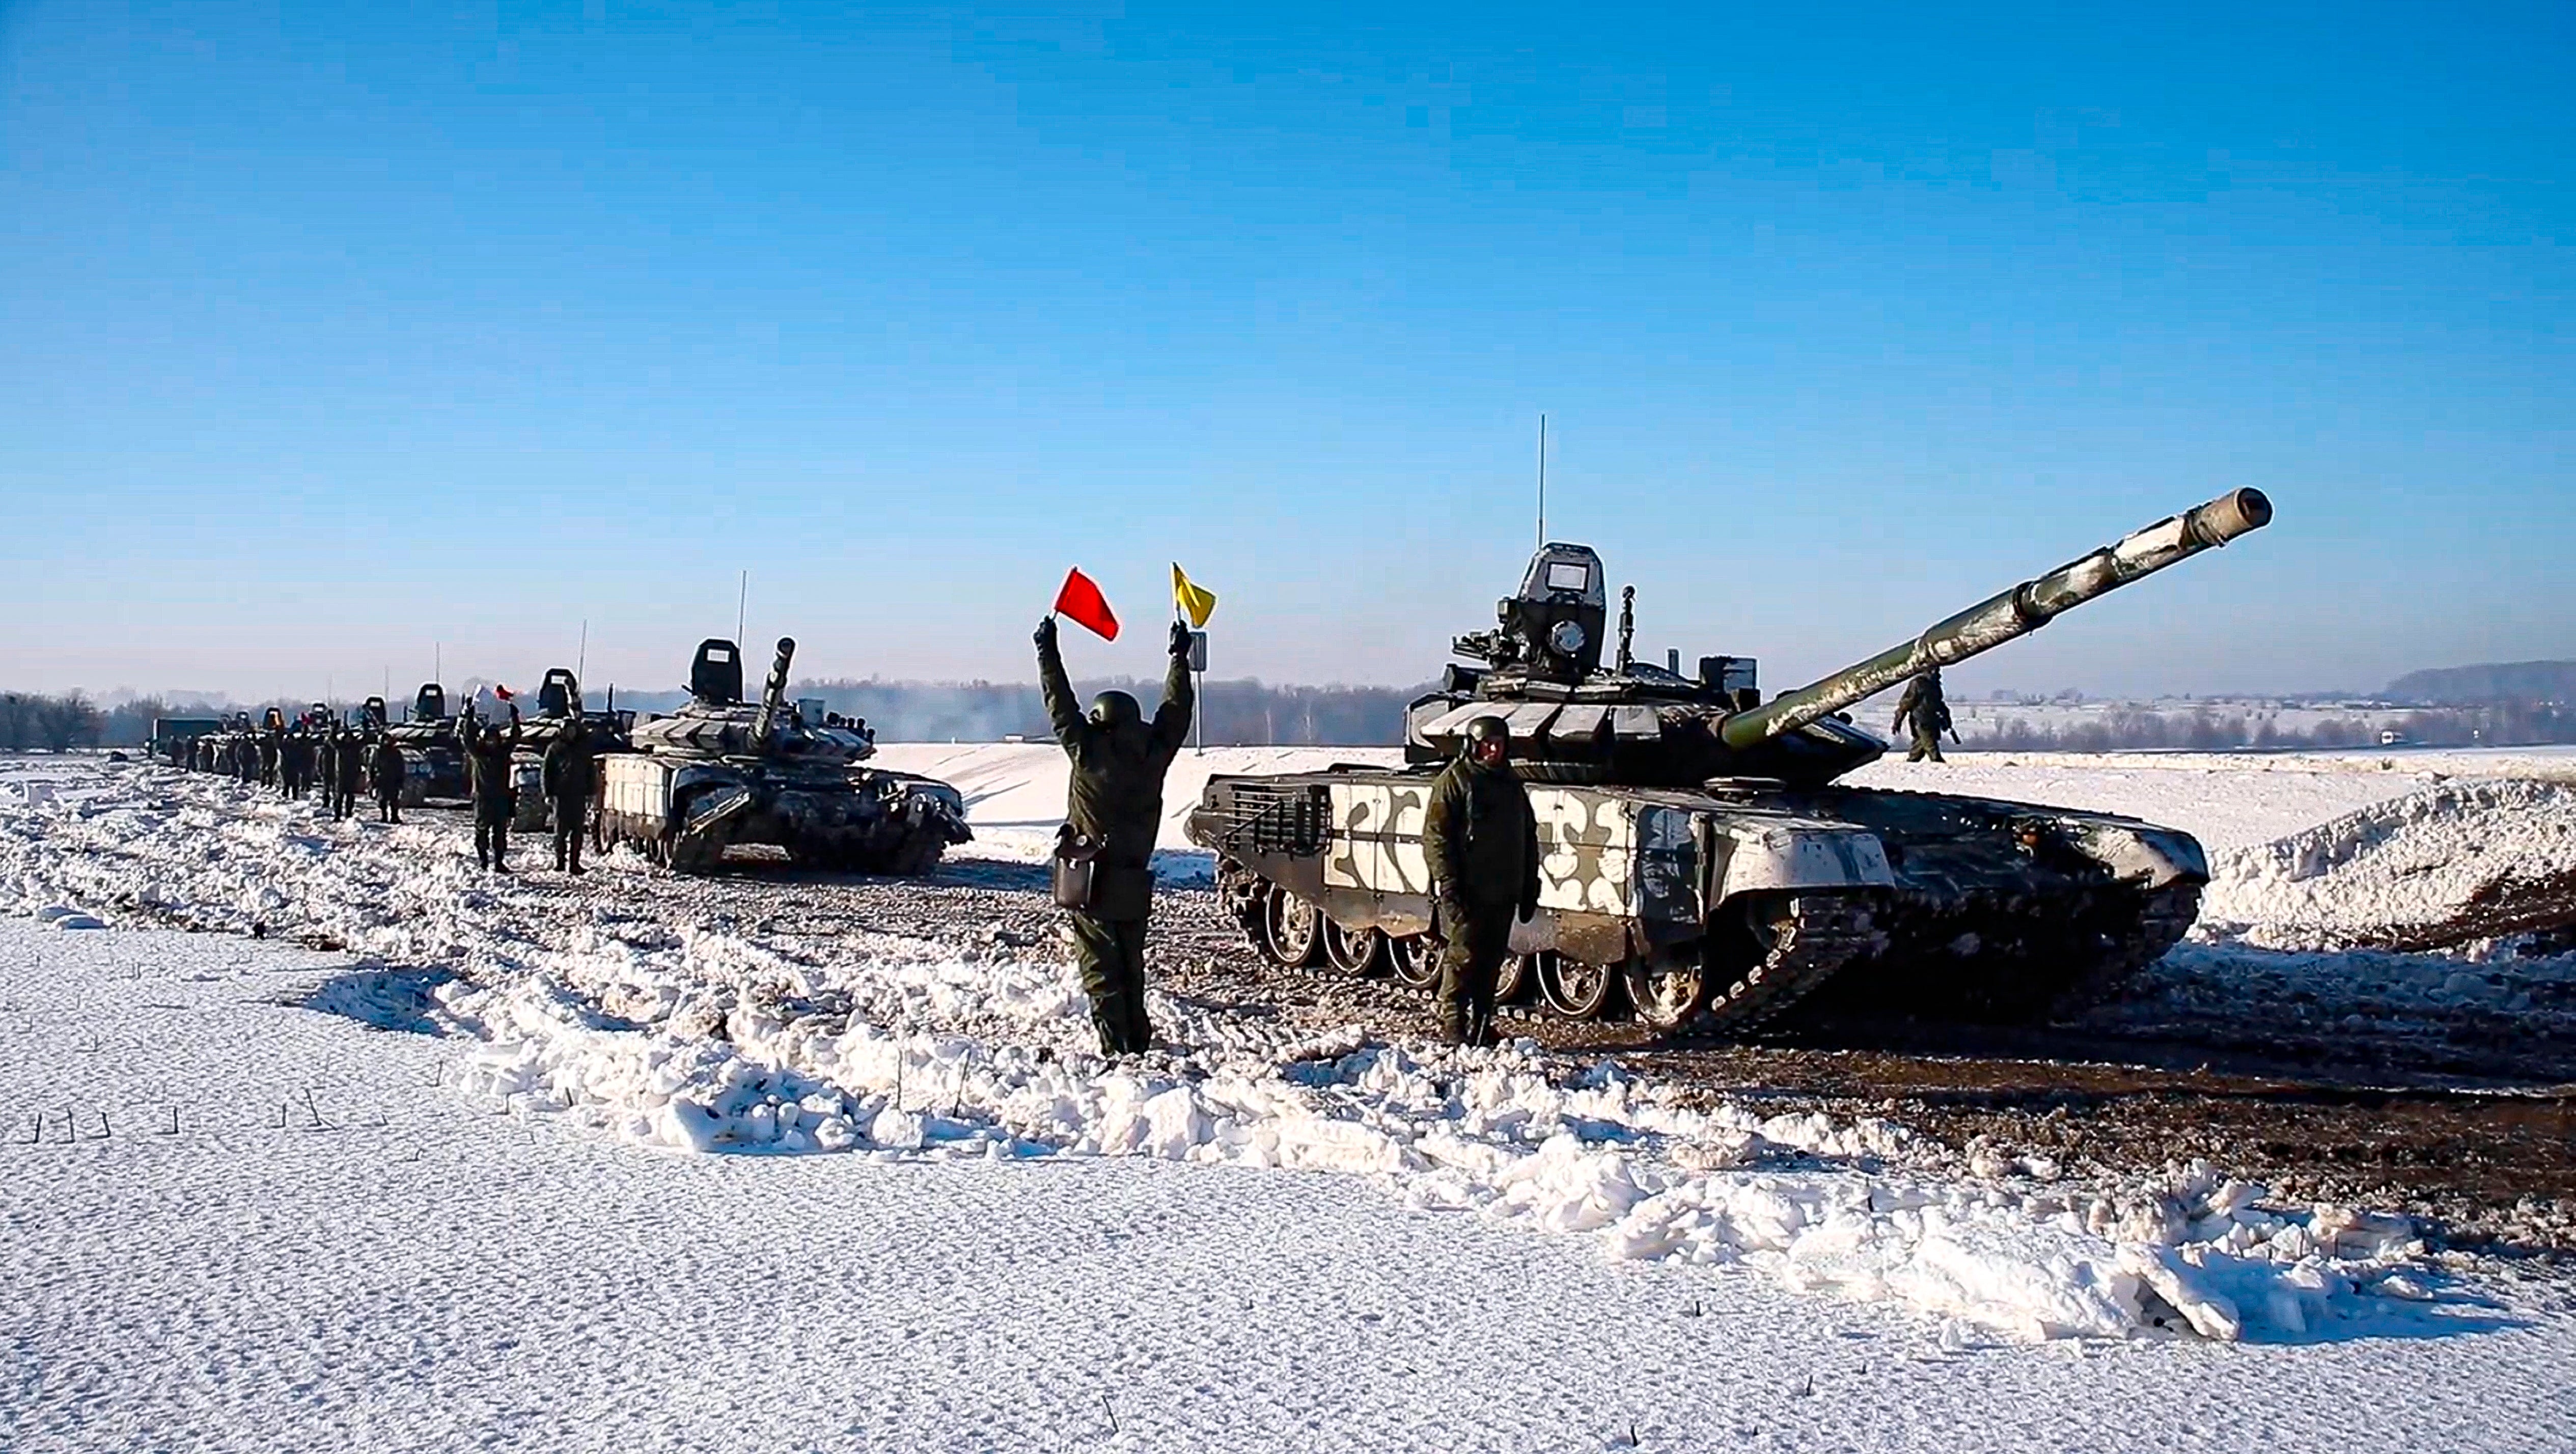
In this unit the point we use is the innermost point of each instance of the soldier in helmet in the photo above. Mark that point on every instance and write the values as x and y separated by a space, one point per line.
1113 814
1921 704
1481 842
567 777
487 773
386 774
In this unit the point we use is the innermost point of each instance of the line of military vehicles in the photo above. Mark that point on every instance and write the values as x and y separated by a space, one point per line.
1702 867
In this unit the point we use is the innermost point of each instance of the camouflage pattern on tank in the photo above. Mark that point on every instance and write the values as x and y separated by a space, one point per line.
1696 849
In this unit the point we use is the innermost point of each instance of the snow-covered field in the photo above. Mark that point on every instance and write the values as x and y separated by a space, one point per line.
943 1223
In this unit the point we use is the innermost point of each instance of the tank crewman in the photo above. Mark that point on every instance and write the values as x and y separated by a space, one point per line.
1481 842
245 761
567 776
269 752
1113 814
1922 704
326 763
487 773
349 770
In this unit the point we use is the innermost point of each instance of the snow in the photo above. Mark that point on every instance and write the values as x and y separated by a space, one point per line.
339 1248
624 1011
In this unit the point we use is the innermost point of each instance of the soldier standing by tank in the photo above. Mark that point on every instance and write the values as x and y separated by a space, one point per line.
270 744
1113 814
386 772
567 777
1481 841
487 773
349 770
1922 704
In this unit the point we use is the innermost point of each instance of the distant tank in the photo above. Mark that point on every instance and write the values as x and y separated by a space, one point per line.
722 772
433 758
1699 862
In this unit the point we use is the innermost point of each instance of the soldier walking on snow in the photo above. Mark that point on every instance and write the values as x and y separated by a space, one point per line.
1921 702
1481 841
568 772
1113 814
487 772
387 774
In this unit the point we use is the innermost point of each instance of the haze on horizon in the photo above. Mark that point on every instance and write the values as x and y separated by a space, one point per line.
336 336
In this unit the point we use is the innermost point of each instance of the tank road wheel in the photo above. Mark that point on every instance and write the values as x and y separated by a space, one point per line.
1574 989
1354 952
1668 990
1292 929
1518 976
1415 958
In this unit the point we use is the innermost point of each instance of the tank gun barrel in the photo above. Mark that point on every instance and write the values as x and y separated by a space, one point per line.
2009 614
773 693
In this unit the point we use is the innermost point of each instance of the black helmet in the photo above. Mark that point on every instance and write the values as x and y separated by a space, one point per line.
1114 710
1489 729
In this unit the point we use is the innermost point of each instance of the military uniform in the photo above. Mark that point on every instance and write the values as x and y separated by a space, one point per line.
1922 704
487 774
388 781
349 769
1481 842
1114 801
567 777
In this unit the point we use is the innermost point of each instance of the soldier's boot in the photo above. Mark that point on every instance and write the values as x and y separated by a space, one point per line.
1140 1026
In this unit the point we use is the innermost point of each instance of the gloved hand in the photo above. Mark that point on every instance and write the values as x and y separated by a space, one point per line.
1046 630
1180 638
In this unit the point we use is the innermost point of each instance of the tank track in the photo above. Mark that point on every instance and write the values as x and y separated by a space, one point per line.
2163 920
1817 935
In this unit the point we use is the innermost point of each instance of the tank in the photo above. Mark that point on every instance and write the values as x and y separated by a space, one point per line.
433 759
1700 863
559 704
722 772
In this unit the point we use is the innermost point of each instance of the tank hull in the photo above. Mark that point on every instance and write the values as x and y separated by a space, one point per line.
687 812
1725 907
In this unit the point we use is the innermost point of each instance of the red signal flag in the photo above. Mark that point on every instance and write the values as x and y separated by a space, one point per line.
1081 602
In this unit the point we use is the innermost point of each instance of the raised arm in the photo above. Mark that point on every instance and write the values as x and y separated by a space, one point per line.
1062 714
1180 699
1440 827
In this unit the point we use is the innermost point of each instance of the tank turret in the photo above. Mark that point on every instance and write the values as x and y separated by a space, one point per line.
1574 720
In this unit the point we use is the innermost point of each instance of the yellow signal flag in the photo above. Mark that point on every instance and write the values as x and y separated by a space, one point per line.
1194 600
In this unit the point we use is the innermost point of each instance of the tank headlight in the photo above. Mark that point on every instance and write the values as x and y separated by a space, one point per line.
1565 638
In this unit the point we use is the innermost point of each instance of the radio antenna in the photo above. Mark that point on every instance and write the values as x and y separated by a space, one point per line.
1542 481
740 604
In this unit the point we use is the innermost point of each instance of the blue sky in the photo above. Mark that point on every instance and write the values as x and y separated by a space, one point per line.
328 333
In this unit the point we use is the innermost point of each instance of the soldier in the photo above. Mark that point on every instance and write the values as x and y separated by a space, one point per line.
1481 842
1114 812
349 769
269 743
386 773
297 762
567 777
1921 703
487 773
326 763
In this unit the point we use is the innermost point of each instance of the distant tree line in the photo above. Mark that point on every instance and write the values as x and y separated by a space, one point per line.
29 722
2504 724
1242 712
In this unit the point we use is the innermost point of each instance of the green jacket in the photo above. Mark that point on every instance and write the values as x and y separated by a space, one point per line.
487 765
1116 791
568 760
1480 837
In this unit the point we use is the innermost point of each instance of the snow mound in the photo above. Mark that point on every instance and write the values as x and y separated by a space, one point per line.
2457 861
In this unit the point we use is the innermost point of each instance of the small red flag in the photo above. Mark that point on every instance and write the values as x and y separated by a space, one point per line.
1081 602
